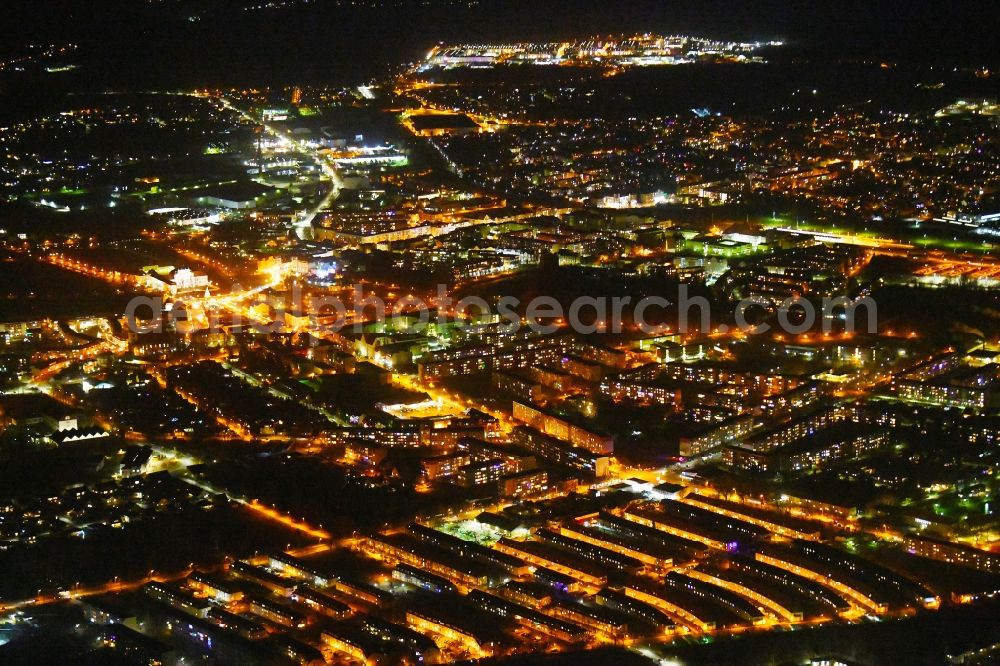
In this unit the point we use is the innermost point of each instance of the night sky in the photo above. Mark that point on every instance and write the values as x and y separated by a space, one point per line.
139 44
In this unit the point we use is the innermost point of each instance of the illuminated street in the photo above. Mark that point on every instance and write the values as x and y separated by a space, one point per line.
463 330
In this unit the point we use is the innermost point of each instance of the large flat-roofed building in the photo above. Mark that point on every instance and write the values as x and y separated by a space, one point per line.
799 428
277 613
487 472
446 465
948 395
822 448
321 602
557 559
470 549
441 124
448 626
607 555
559 628
974 219
406 549
635 608
215 587
561 429
560 452
717 435
523 483
950 380
173 595
364 646
497 352
405 436
628 389
951 552
518 386
424 580
515 459
235 196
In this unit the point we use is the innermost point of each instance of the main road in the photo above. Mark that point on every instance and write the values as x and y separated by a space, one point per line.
329 170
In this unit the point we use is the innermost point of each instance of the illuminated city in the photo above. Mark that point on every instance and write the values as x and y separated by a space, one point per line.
378 332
